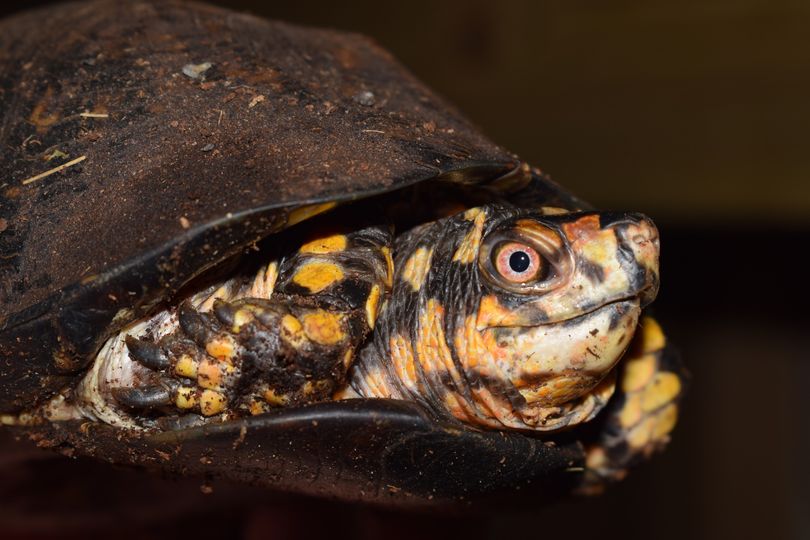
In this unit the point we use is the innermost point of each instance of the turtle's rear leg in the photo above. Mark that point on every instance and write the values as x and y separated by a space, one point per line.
640 418
293 346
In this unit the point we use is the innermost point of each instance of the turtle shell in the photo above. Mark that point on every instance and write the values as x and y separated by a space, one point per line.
143 142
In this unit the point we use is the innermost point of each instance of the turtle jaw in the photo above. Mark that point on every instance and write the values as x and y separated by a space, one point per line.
563 372
554 364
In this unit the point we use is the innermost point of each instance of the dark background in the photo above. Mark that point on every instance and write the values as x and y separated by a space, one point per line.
695 112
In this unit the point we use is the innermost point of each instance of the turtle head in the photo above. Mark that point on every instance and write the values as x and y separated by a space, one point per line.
504 317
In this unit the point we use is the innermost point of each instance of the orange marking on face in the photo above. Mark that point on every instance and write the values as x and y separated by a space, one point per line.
584 227
492 313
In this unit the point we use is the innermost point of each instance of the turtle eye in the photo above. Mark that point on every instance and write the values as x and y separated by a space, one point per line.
519 263
529 258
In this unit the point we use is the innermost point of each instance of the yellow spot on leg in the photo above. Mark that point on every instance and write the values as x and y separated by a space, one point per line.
323 327
241 318
330 244
212 402
416 268
316 276
640 435
291 324
221 347
665 421
372 305
638 372
292 331
631 411
663 389
209 374
186 367
652 337
186 398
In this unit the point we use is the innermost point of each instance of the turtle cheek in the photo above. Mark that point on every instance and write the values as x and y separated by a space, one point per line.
556 363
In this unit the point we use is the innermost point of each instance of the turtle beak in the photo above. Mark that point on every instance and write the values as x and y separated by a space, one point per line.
639 250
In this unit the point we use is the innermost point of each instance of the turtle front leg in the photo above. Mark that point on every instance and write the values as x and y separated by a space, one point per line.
294 346
639 419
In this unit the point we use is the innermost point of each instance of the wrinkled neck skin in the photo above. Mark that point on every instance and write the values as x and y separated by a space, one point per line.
462 344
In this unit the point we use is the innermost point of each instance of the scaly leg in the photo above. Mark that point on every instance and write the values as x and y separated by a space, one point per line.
638 420
292 346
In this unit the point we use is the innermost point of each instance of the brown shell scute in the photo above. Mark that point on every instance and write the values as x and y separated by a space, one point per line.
283 115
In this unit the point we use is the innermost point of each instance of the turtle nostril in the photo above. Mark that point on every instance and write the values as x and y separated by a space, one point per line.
645 236
640 239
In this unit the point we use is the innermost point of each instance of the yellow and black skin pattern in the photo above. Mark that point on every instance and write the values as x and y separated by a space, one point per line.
292 344
497 316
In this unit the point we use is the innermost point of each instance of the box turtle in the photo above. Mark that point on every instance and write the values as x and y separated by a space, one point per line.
251 250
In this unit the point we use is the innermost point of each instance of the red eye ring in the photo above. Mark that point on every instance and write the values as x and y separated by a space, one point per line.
517 262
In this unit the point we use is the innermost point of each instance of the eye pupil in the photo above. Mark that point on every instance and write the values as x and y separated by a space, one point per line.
519 261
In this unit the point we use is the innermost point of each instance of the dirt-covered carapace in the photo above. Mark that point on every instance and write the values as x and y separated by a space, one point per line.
221 234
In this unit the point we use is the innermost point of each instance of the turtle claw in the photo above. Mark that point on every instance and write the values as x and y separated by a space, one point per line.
146 353
148 397
175 423
193 324
224 312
